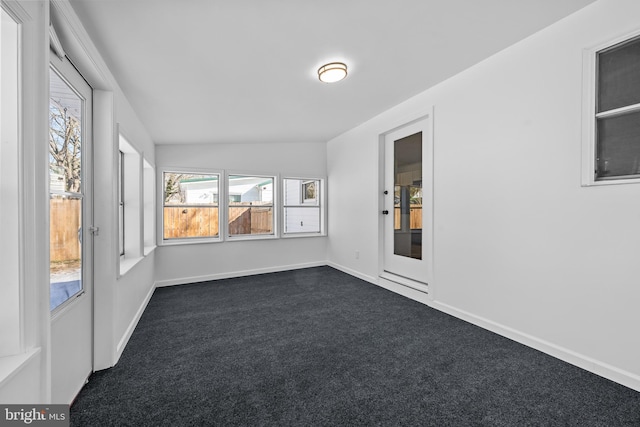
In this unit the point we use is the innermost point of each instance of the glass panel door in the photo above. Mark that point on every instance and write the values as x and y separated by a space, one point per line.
407 195
407 200
65 191
70 225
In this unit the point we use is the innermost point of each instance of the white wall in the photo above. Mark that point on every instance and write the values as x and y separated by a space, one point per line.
26 377
520 247
120 299
10 337
198 262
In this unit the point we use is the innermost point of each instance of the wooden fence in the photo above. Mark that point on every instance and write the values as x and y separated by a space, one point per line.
415 219
181 222
65 223
250 220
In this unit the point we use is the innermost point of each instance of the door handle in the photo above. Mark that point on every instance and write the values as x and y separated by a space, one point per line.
385 212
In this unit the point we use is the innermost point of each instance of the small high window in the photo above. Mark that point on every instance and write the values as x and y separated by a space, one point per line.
617 111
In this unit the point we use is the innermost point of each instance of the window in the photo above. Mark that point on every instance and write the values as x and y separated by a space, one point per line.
136 205
250 207
130 220
616 103
149 198
67 189
302 206
121 202
190 206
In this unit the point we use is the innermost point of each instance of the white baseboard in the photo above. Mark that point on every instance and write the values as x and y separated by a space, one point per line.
353 273
405 291
241 273
597 367
132 326
628 379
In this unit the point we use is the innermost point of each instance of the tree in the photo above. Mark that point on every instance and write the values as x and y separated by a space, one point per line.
172 191
65 146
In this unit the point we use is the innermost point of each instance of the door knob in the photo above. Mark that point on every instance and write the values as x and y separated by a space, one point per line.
385 212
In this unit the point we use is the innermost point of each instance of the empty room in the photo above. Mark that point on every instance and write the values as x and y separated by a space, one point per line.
305 213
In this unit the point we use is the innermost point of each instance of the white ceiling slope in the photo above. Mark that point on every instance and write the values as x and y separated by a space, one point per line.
199 71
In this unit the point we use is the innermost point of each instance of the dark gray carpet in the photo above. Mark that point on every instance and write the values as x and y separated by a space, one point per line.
317 347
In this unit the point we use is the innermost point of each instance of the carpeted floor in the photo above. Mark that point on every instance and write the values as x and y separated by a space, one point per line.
317 347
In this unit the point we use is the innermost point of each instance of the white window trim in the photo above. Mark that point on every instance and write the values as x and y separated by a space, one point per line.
222 191
12 231
275 206
589 115
223 206
120 174
322 204
132 185
148 208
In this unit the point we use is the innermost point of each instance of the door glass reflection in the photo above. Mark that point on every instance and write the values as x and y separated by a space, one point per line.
65 191
407 196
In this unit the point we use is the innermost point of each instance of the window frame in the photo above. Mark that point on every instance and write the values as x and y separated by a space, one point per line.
277 206
320 203
590 115
148 208
161 240
132 221
13 330
121 207
275 203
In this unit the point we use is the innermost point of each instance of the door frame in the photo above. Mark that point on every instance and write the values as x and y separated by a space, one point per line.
82 304
427 202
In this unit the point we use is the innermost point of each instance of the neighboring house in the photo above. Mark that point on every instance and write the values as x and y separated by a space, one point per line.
57 182
205 190
199 191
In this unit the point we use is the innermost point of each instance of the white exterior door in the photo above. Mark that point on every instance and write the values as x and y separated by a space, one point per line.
407 205
70 224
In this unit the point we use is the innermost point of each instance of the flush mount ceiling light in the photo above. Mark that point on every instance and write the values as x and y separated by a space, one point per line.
332 72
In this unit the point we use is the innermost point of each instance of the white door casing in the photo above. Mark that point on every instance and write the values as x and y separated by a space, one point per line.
72 320
407 224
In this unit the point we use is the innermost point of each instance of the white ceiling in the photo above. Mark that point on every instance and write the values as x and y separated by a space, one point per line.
200 71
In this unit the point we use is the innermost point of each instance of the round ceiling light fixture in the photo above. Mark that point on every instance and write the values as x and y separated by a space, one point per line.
332 72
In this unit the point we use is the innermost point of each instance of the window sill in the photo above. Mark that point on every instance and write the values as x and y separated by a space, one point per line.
244 238
192 241
611 182
11 365
127 264
149 249
298 235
